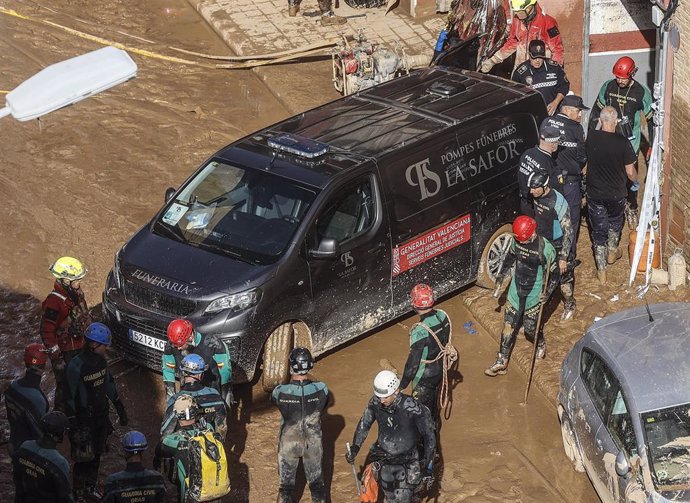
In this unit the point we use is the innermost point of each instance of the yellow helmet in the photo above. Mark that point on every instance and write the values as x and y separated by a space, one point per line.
68 268
521 4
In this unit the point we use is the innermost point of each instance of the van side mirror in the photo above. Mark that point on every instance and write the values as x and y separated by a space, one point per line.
328 249
622 464
169 192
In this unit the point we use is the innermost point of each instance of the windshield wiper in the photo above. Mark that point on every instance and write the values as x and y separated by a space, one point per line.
170 231
225 251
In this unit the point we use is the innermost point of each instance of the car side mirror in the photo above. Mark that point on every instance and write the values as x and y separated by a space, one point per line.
622 464
328 249
169 192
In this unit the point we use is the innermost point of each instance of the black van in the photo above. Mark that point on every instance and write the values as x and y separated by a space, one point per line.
314 230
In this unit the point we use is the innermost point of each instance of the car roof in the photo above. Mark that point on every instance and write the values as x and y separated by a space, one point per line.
650 358
378 120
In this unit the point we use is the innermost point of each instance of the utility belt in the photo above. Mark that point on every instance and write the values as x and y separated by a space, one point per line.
573 179
392 476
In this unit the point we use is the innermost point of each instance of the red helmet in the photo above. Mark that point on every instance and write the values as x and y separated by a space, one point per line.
422 296
624 68
35 354
180 332
524 228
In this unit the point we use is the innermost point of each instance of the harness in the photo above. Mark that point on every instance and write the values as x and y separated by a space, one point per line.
449 355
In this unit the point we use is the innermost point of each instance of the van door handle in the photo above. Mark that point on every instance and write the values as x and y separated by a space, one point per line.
599 446
404 235
378 247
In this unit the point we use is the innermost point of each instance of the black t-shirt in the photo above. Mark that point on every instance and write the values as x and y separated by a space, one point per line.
607 156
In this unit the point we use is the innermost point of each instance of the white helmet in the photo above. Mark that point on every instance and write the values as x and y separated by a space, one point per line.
385 383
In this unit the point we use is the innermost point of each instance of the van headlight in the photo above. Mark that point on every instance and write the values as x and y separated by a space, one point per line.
236 301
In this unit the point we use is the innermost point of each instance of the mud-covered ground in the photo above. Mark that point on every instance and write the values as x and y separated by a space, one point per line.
87 177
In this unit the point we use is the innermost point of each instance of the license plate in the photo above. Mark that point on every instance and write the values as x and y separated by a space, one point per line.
146 340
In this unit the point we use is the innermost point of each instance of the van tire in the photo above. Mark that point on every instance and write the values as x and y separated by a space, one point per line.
276 354
486 276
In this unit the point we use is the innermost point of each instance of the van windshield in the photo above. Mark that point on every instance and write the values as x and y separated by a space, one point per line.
247 214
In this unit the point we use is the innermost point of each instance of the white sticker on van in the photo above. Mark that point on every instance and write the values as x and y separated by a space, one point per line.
174 213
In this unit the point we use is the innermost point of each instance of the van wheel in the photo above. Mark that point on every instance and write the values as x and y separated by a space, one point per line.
276 354
572 451
491 256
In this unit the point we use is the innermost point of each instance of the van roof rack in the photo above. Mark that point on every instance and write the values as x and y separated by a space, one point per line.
298 145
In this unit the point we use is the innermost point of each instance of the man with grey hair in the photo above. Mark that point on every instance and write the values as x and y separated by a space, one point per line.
610 164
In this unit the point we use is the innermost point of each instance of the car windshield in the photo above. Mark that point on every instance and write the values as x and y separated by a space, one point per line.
668 439
247 214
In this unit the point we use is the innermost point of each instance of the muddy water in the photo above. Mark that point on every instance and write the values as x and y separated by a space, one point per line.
92 174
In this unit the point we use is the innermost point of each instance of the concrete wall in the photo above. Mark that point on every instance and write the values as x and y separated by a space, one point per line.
679 174
570 17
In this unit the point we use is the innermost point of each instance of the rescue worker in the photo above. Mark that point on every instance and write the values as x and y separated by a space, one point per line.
529 23
531 254
211 405
135 484
428 340
65 316
173 447
537 158
570 159
632 100
610 165
301 403
544 76
552 215
89 388
402 423
41 473
328 17
25 401
184 340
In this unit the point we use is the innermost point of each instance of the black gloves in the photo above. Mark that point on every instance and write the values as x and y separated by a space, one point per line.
121 413
352 454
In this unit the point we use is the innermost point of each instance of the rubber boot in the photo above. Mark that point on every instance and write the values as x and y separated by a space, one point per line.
293 9
631 216
614 251
600 261
568 301
541 348
499 367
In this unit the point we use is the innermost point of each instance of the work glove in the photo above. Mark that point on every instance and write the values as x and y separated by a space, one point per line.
635 186
488 64
228 396
121 413
352 454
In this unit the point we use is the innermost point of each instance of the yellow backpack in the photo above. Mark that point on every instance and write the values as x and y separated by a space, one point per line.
207 476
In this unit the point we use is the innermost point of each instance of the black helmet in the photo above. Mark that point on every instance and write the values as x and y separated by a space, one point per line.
53 424
301 361
538 178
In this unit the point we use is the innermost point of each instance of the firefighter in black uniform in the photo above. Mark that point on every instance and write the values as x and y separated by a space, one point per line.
89 388
41 473
25 401
135 484
402 423
537 158
428 345
544 76
301 403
